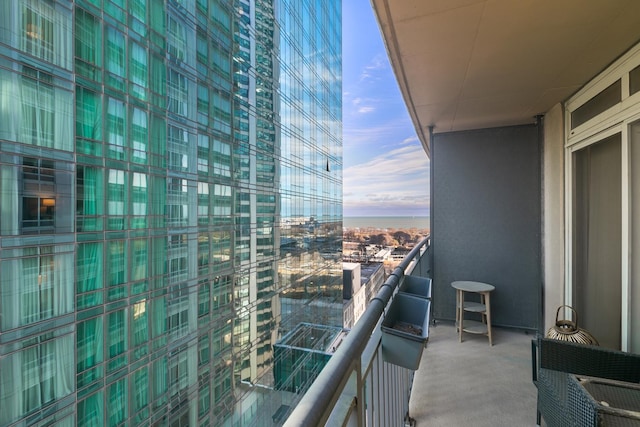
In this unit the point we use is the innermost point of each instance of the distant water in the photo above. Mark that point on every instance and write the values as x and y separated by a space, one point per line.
382 222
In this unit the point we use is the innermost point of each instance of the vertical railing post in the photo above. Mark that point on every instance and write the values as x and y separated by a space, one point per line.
360 399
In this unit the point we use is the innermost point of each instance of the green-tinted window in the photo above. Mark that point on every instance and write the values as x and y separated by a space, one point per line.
159 321
115 57
138 69
117 407
116 128
90 198
159 381
89 273
204 298
139 197
116 264
221 16
140 389
138 10
158 75
117 343
89 343
157 16
203 154
139 259
139 136
203 105
116 199
204 350
204 399
88 118
158 141
202 52
115 8
139 325
91 410
88 45
203 203
158 198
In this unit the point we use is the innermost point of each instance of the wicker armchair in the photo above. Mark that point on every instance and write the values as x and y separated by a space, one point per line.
553 360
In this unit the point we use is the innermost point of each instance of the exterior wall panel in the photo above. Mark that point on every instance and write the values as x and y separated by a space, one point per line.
486 220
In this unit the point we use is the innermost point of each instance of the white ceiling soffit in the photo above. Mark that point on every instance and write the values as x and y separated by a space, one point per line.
467 64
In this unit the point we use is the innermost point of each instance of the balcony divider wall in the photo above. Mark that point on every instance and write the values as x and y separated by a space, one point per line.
486 220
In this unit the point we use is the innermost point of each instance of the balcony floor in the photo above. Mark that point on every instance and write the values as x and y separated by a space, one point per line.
472 384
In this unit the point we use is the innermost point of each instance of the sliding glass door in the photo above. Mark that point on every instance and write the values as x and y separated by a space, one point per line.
633 304
597 244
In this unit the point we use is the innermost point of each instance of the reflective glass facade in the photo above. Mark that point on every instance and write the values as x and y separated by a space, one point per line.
170 205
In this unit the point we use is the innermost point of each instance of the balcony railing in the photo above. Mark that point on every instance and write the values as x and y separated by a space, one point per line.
357 387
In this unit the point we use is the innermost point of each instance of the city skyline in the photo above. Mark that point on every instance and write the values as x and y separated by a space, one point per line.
386 171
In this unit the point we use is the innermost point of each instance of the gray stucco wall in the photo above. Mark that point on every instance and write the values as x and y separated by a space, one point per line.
486 220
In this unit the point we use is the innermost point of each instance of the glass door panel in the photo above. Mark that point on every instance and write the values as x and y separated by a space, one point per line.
597 252
634 244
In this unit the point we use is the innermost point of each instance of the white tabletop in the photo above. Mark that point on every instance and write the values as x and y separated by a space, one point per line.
468 286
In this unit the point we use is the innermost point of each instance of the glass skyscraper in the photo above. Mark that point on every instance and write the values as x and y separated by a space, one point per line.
170 205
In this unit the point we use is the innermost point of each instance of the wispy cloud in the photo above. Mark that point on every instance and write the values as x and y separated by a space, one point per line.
372 70
365 110
395 182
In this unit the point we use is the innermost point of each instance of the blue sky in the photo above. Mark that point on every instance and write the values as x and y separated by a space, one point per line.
386 171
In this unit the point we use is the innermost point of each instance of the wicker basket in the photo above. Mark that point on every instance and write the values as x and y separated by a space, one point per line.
568 330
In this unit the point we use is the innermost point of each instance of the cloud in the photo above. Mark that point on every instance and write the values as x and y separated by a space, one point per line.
365 110
396 182
372 70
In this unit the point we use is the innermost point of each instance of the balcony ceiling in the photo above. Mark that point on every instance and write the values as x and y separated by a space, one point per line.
467 64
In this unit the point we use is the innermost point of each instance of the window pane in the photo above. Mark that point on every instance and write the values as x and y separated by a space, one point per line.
140 391
139 259
140 328
634 80
116 199
115 58
90 198
116 128
139 136
117 408
45 275
89 343
596 105
117 333
35 376
597 243
46 32
116 262
88 115
634 202
90 410
138 71
88 45
89 274
139 191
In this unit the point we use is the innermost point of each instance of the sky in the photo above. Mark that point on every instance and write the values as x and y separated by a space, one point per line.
386 171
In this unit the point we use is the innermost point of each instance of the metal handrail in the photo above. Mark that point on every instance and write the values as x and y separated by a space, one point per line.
316 405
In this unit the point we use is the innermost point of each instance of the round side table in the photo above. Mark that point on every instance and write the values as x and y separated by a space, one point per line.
483 308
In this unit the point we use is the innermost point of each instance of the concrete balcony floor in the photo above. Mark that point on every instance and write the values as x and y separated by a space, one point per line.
472 384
